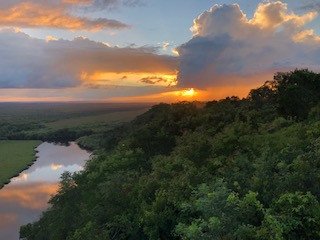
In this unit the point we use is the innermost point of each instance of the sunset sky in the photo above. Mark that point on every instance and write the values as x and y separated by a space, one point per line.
151 50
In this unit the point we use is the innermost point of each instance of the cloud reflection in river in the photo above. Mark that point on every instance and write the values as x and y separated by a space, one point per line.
23 200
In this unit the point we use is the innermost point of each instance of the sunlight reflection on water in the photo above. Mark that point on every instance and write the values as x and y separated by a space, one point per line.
23 200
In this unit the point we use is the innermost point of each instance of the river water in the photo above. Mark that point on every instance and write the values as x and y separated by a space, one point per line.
26 196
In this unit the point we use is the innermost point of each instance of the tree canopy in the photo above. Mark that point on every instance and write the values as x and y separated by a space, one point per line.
232 169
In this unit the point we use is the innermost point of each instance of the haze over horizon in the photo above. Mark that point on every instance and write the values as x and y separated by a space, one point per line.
149 50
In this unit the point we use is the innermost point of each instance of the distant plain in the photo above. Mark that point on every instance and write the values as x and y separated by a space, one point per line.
23 126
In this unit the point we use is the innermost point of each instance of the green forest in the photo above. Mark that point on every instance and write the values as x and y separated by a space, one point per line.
229 169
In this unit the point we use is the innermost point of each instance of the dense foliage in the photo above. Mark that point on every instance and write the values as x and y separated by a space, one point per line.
229 169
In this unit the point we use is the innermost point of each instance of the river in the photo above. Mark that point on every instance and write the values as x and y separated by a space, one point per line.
26 196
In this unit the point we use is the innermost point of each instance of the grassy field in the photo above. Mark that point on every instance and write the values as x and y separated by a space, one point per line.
50 112
106 118
14 157
22 123
30 121
55 122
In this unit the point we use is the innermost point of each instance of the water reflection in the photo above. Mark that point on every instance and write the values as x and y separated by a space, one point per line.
23 200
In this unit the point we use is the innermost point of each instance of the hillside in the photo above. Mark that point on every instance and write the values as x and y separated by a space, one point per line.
232 169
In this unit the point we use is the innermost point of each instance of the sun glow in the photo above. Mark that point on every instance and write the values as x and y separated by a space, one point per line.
188 92
55 167
129 79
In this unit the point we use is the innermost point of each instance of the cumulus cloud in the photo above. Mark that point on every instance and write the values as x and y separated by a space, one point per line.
35 63
54 14
228 48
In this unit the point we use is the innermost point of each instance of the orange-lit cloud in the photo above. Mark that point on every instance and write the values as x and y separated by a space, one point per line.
76 94
306 36
228 54
191 94
30 14
228 48
129 79
271 15
127 94
58 63
29 195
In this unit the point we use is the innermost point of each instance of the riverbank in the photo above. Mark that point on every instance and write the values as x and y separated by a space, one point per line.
15 157
25 197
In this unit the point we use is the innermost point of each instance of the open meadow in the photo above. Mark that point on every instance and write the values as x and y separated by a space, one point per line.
15 156
96 119
24 125
62 122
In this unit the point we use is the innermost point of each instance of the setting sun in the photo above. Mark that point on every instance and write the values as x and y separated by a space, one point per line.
188 92
123 112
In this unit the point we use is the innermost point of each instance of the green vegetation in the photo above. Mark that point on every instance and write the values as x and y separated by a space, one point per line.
233 169
14 157
101 119
62 122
